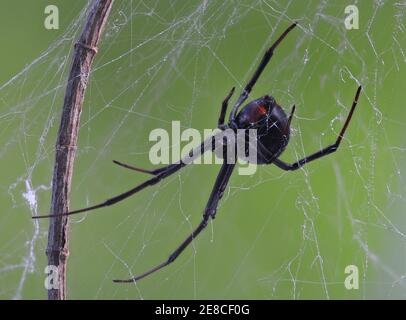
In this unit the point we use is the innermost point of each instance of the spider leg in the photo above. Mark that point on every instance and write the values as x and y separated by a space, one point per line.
224 108
152 172
171 169
265 60
209 212
325 151
160 174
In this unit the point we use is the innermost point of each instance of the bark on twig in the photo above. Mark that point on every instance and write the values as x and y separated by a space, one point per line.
85 50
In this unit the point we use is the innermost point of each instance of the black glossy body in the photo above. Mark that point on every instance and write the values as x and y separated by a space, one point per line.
272 125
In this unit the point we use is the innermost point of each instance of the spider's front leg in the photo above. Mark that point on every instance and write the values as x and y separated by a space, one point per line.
264 62
325 151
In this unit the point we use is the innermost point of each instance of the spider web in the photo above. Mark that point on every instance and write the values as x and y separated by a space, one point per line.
277 234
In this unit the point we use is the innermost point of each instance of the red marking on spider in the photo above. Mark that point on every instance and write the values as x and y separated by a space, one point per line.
262 110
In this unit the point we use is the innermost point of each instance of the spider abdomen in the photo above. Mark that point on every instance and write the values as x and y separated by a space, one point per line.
271 124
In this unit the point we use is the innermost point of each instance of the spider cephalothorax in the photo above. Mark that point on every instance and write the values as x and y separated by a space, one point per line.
273 129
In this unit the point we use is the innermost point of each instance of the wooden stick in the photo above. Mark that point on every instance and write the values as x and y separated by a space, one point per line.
65 150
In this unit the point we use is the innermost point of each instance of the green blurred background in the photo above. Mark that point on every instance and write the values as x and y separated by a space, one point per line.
277 235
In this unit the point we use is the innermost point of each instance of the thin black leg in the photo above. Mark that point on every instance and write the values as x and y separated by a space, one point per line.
152 172
224 108
291 115
265 60
209 212
330 149
159 174
172 169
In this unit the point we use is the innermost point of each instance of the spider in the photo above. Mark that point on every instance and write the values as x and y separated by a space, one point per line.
273 126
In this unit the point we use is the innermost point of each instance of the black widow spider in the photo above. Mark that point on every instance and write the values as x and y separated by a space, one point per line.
273 127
